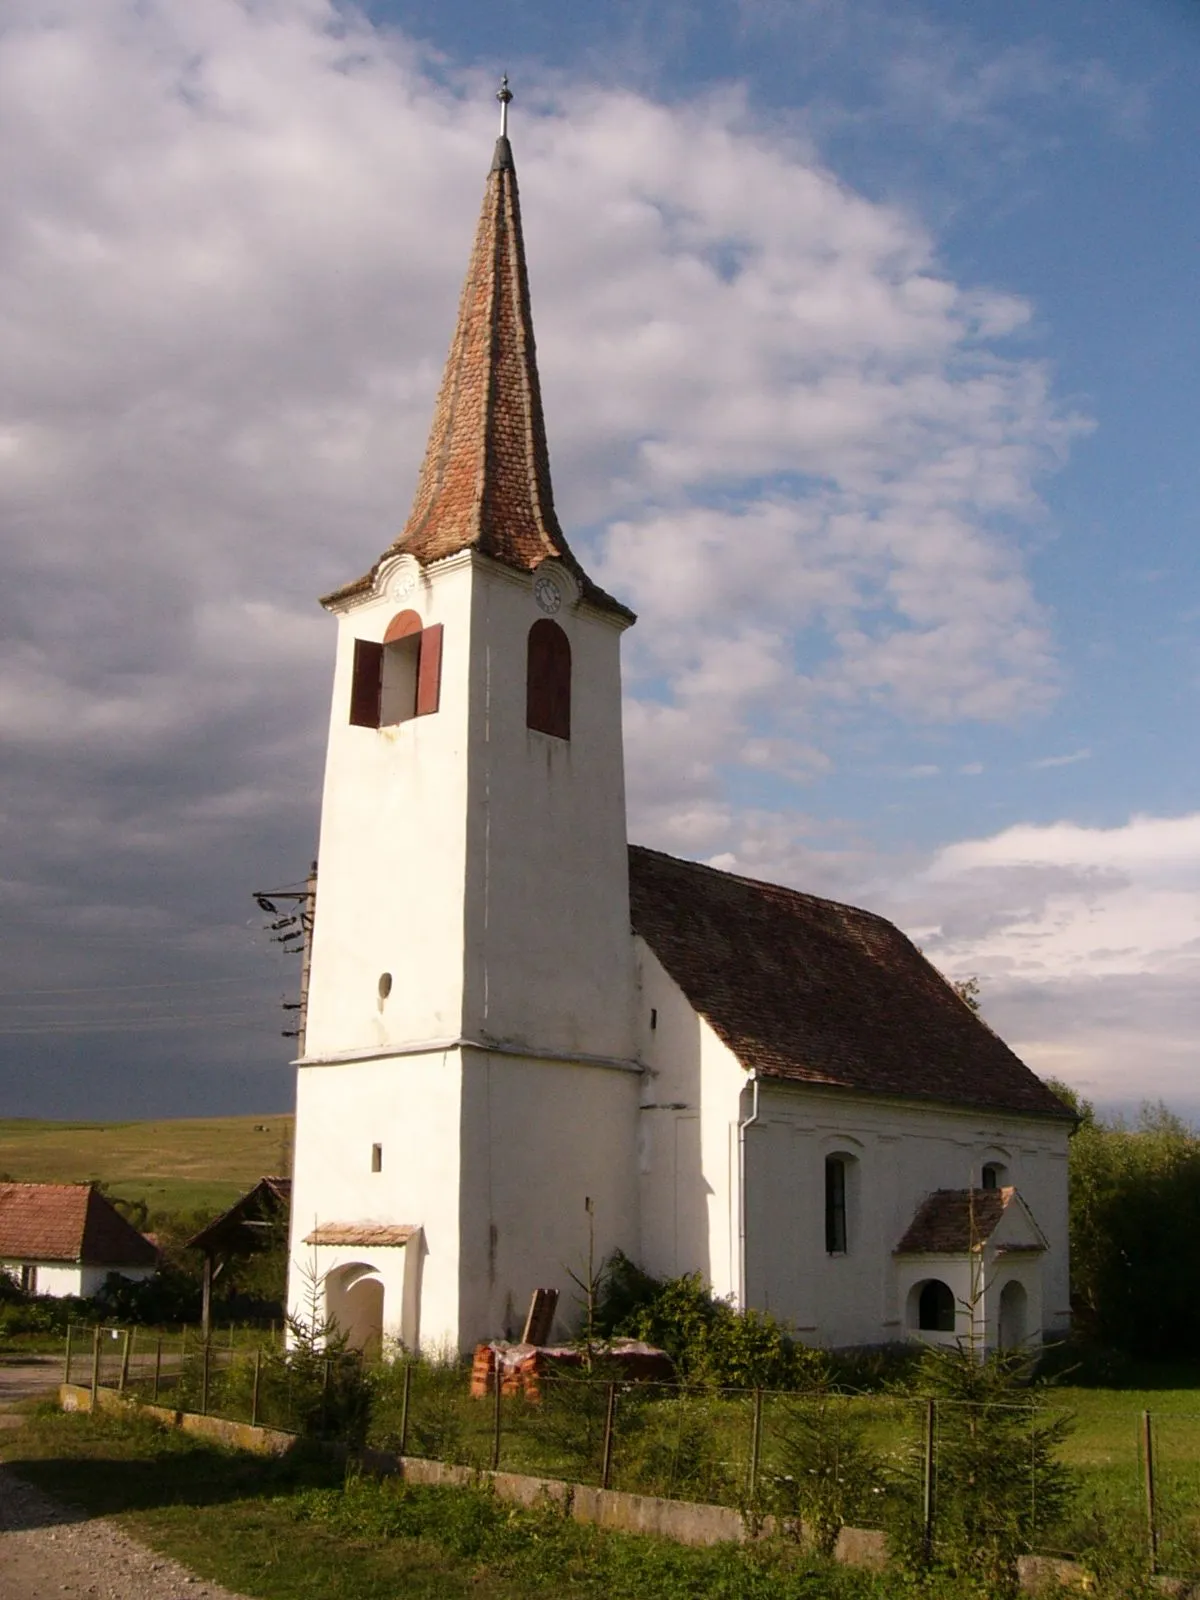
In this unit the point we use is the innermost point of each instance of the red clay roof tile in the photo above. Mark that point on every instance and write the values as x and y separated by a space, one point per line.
815 992
485 480
953 1221
68 1222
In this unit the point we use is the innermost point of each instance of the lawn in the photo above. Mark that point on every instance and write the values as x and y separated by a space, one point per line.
698 1446
298 1528
181 1165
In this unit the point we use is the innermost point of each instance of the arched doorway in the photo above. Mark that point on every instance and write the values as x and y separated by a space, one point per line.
354 1306
931 1307
1013 1312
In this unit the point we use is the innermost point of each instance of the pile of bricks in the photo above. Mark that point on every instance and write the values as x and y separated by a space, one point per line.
519 1366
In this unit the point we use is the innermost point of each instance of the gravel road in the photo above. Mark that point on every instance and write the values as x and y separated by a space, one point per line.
47 1549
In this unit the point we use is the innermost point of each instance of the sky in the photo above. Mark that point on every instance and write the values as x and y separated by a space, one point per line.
869 347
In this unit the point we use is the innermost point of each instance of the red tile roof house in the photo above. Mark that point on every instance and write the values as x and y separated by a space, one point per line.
65 1239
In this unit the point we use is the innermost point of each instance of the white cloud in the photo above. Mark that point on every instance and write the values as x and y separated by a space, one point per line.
1068 760
1087 943
233 238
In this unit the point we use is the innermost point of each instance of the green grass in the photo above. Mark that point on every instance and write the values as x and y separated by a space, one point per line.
296 1528
183 1164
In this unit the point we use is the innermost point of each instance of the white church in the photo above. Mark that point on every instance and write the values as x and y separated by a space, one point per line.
519 1026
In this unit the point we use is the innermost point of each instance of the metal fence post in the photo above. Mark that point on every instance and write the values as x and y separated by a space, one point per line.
497 1415
609 1418
157 1365
96 1366
125 1349
408 1372
255 1389
1151 1510
755 1443
67 1362
927 1504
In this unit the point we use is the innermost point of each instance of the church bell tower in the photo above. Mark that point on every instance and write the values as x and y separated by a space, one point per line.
468 1082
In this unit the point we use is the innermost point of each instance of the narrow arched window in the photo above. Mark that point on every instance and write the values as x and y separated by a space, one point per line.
548 680
935 1307
992 1176
400 678
835 1205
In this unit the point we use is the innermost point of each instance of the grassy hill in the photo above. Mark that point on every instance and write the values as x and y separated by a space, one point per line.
182 1164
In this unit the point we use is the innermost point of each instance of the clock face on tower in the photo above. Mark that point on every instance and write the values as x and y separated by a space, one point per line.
547 594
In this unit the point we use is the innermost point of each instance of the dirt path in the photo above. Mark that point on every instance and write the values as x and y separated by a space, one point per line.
48 1550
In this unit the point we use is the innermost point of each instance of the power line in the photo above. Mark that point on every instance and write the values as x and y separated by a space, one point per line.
137 1024
122 988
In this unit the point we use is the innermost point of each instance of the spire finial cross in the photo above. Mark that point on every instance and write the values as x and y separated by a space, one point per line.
504 95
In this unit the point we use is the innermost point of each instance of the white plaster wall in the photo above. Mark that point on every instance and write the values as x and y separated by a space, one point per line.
687 1143
53 1277
399 1270
548 954
392 845
411 1105
901 1153
539 1138
976 1285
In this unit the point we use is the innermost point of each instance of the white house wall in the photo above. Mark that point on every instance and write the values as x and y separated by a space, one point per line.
898 1155
539 1139
59 1278
53 1277
412 1107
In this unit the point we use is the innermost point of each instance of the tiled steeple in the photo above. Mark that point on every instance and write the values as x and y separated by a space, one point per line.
485 480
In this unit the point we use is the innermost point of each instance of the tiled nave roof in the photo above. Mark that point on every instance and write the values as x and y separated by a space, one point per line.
807 990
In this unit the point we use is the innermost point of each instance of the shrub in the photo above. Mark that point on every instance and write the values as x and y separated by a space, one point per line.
707 1338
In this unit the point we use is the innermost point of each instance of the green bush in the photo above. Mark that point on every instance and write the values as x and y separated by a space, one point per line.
707 1338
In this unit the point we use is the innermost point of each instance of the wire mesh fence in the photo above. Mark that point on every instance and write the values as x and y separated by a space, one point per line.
934 1474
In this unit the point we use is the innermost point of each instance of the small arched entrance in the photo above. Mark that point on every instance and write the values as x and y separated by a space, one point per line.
1013 1315
931 1307
354 1306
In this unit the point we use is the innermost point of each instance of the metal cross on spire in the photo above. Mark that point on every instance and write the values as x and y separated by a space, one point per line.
504 95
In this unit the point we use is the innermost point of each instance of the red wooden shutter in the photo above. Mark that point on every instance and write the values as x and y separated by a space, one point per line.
366 683
429 671
548 680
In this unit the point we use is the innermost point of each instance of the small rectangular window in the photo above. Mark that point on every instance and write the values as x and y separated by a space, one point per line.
653 1019
376 1158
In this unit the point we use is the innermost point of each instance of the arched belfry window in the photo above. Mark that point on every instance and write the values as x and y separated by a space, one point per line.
400 678
548 680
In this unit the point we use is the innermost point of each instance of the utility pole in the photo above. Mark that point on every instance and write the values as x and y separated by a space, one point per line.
294 930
